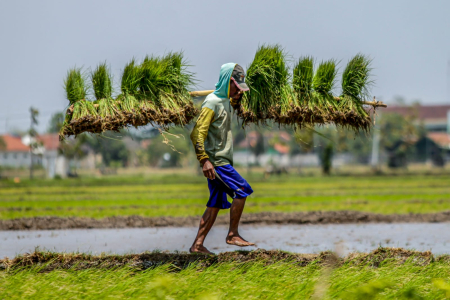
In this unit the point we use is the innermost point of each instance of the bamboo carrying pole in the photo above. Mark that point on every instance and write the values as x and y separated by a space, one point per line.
373 103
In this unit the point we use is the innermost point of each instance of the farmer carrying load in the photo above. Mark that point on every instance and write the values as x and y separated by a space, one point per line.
213 144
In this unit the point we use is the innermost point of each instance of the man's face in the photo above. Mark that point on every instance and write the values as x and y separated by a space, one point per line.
235 92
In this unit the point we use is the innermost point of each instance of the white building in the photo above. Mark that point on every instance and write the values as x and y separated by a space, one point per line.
16 154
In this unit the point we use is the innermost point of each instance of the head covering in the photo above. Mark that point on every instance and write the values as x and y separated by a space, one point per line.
238 76
228 72
223 86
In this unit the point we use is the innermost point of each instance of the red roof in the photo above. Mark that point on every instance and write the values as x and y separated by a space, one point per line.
283 149
423 112
440 138
50 141
14 144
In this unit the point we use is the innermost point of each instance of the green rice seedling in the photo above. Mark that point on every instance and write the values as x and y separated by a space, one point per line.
313 91
102 81
152 84
356 83
323 83
165 82
302 85
76 90
108 108
302 80
268 80
75 85
356 78
178 80
83 109
131 110
128 102
131 77
150 77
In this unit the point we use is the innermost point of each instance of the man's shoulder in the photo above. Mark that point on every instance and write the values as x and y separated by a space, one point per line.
212 101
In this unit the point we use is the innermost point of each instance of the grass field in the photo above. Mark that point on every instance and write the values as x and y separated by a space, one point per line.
390 277
183 195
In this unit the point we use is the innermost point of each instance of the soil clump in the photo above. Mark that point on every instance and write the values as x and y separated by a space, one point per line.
48 261
264 218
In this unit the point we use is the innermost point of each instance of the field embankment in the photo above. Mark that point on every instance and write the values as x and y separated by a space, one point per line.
384 273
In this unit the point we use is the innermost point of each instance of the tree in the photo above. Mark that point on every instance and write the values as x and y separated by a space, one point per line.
56 122
33 134
257 146
72 149
327 158
2 143
398 135
111 147
2 147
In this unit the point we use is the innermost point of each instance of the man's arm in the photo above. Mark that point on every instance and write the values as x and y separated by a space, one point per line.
198 137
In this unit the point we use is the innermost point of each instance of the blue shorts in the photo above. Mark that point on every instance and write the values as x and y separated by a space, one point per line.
227 181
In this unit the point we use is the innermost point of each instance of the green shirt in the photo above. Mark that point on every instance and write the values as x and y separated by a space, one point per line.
211 136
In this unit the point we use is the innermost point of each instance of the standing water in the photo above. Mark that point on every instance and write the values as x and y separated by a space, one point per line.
344 238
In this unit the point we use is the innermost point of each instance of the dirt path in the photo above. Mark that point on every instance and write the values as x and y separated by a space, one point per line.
266 218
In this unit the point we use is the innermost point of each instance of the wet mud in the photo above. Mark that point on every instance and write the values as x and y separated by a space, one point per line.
264 218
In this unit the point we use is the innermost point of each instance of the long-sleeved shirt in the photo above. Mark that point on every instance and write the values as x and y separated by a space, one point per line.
211 136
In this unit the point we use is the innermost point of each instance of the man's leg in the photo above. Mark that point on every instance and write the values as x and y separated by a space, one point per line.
206 222
233 237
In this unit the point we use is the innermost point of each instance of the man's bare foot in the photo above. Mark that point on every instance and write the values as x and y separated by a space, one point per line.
237 240
199 249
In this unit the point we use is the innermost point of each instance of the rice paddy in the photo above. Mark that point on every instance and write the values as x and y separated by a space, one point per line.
183 196
383 274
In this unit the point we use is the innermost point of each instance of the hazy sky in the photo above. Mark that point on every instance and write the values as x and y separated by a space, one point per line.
408 40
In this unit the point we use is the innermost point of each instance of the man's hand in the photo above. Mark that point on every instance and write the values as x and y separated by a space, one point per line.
208 169
238 96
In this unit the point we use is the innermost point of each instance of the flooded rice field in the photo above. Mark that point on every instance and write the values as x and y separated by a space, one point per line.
343 238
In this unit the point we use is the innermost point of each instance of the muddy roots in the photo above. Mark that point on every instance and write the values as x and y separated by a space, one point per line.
163 117
302 116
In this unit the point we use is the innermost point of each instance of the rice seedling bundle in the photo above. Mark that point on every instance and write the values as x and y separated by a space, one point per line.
308 98
110 117
76 91
156 91
356 83
164 90
268 81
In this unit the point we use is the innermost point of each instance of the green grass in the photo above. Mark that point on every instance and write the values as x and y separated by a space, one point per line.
181 195
254 280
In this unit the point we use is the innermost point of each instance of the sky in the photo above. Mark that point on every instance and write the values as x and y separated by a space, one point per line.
408 40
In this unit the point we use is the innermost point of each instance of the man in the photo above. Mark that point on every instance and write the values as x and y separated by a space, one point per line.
213 143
